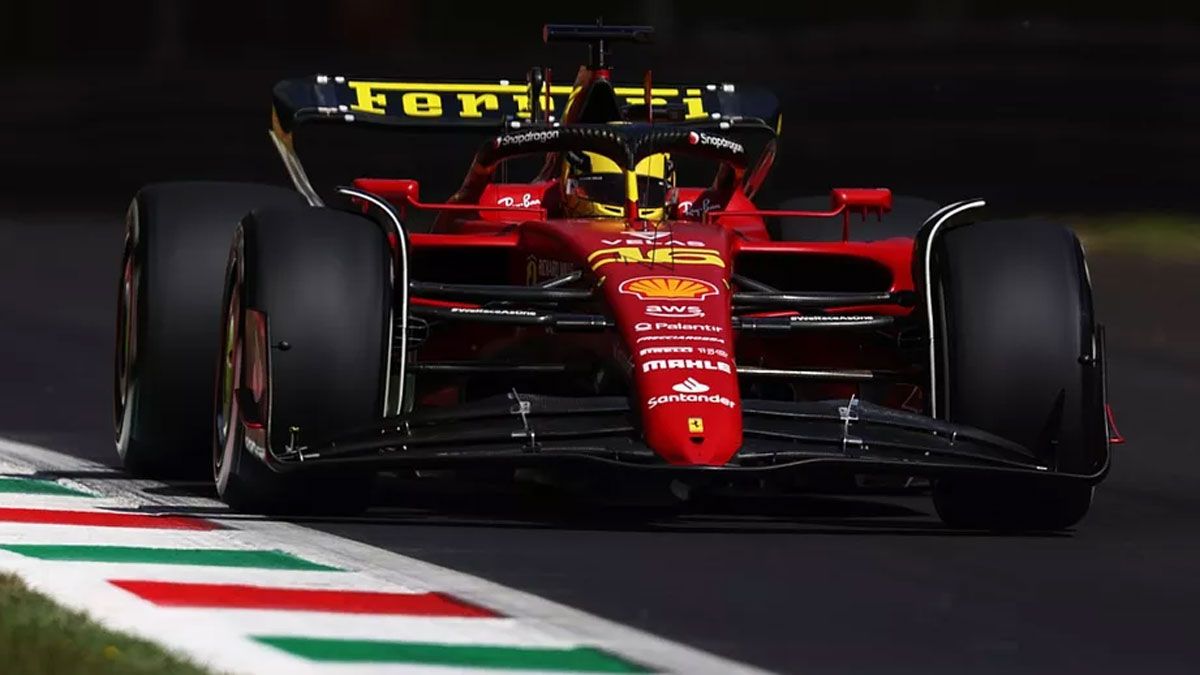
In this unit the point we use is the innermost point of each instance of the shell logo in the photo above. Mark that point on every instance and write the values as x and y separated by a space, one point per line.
667 288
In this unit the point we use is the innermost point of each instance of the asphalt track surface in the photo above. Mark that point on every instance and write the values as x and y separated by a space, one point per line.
817 585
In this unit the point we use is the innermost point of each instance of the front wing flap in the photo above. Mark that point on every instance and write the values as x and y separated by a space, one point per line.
532 431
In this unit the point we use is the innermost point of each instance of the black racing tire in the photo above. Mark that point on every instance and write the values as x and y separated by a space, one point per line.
1011 506
904 220
168 308
1016 355
305 337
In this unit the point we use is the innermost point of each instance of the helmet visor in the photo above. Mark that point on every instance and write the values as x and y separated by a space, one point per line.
609 188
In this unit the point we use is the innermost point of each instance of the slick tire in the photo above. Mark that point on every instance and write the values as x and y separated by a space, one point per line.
1016 355
305 341
904 220
168 311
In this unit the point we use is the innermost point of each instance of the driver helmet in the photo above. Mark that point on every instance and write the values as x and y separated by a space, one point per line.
594 186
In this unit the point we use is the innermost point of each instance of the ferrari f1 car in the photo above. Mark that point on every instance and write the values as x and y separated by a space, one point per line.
602 317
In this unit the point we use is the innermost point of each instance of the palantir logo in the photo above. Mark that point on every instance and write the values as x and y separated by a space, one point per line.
690 386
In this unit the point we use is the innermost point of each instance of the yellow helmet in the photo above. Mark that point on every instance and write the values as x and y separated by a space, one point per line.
594 186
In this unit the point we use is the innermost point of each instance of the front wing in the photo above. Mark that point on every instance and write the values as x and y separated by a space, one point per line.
525 431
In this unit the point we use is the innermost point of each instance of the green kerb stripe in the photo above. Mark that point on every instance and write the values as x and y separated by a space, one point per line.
574 660
38 487
277 560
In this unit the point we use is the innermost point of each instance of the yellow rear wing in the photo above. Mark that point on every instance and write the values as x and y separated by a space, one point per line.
459 104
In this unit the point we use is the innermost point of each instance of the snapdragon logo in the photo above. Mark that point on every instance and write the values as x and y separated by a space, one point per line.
701 138
527 137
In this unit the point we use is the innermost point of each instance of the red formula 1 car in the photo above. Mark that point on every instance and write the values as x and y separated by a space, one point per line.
602 318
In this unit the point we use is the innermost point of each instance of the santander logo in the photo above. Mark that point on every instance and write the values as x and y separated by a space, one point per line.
690 386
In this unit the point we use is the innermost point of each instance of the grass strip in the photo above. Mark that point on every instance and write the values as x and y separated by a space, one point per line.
39 637
1164 236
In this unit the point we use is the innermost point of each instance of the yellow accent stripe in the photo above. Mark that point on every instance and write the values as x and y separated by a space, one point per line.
498 88
654 91
458 86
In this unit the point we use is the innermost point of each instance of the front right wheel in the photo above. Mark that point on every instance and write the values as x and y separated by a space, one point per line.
1015 353
304 351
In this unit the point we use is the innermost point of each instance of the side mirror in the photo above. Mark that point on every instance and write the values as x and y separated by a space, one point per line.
402 191
862 200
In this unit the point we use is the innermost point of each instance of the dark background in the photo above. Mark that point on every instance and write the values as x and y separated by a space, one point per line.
1038 106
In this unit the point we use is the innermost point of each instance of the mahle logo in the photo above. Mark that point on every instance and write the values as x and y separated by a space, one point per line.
685 364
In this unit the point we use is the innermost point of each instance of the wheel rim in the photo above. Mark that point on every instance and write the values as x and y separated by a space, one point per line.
229 374
125 358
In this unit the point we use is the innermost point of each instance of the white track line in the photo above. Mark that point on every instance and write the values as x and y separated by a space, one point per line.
216 637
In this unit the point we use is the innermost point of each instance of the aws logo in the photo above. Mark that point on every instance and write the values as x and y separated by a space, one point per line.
675 311
656 256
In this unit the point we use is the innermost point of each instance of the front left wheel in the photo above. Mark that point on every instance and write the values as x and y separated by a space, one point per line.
304 352
168 303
